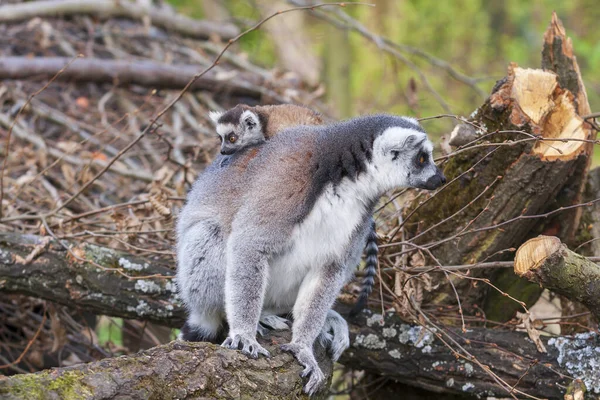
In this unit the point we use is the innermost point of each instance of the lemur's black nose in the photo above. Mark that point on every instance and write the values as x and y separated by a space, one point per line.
435 181
225 151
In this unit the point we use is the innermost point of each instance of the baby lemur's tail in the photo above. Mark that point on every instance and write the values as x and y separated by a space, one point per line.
370 270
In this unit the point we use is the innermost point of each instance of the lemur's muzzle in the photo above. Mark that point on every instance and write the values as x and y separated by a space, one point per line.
227 151
435 181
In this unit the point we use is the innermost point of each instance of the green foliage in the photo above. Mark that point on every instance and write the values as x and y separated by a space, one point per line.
477 37
109 330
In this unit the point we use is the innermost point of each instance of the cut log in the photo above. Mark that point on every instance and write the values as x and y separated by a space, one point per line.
500 189
178 370
548 262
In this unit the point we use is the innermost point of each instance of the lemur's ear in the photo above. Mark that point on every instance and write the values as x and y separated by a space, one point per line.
400 144
409 141
249 120
215 115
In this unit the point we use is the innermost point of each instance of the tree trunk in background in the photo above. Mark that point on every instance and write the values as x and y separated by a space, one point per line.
337 70
294 52
522 178
215 10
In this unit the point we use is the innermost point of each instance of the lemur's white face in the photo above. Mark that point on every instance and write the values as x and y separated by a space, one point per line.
403 157
246 132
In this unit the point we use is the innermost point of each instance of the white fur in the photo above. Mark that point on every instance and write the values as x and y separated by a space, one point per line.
249 114
390 174
215 115
323 237
224 129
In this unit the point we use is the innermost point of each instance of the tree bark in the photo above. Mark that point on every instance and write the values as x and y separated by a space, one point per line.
549 263
410 354
500 188
144 73
54 275
178 370
110 9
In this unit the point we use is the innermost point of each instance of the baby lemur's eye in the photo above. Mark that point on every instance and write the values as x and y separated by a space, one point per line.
232 137
422 159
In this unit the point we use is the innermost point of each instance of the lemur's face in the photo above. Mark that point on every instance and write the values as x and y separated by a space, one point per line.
235 136
404 155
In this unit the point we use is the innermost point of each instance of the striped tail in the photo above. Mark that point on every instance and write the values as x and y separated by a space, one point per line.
370 270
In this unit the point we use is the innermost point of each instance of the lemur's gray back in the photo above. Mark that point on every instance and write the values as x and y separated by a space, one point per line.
313 157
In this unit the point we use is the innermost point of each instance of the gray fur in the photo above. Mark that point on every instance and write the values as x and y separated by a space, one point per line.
280 227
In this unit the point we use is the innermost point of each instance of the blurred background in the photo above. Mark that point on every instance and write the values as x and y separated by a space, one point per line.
444 58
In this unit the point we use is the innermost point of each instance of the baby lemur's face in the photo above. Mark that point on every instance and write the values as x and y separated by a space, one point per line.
238 128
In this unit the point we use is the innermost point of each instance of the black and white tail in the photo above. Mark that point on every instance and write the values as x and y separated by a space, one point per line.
370 270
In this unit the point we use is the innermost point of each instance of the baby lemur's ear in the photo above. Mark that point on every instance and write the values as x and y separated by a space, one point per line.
215 115
250 121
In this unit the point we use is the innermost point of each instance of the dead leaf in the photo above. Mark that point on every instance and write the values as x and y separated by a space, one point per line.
82 102
59 333
533 333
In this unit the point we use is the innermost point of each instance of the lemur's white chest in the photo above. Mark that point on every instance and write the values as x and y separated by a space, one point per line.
322 238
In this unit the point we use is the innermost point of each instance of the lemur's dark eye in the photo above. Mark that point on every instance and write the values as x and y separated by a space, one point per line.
422 159
232 138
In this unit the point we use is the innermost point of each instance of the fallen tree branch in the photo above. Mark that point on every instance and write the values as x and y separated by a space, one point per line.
143 73
548 262
176 370
413 355
110 8
149 294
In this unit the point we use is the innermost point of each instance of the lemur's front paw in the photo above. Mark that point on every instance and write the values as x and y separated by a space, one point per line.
247 344
306 358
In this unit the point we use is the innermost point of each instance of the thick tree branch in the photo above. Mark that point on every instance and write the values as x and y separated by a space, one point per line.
122 72
110 8
415 356
179 370
54 275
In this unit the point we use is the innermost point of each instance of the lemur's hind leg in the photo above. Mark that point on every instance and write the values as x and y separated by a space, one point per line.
334 336
203 328
313 303
269 323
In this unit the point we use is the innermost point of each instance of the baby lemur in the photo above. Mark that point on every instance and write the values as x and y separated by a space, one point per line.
244 126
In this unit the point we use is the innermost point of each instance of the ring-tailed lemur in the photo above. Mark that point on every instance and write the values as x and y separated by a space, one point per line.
280 228
244 126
